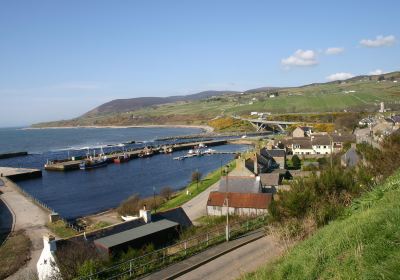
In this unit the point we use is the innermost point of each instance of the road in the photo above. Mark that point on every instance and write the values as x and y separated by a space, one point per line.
28 217
196 207
238 262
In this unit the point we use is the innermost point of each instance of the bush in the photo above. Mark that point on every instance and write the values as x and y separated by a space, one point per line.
296 162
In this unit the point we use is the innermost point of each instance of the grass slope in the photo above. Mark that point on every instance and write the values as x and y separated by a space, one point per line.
365 244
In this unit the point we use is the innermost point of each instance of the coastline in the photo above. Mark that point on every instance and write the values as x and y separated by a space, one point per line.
205 128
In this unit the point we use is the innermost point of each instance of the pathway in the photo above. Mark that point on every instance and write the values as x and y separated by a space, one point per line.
238 262
228 260
196 207
28 217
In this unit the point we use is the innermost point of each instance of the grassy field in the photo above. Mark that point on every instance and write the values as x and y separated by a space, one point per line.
353 95
364 244
14 253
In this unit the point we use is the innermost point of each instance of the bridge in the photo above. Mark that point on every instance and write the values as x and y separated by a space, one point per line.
262 124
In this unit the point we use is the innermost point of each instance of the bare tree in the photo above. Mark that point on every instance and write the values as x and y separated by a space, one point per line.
196 178
166 193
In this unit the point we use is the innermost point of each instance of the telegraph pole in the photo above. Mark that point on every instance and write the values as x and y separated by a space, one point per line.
227 204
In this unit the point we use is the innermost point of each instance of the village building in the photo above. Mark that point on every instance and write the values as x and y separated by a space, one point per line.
240 184
278 156
270 182
157 233
242 204
301 131
318 143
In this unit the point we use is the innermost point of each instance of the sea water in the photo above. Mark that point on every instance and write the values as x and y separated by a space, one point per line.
80 192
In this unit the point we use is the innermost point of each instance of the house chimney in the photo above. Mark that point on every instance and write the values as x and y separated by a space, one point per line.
255 164
145 214
49 243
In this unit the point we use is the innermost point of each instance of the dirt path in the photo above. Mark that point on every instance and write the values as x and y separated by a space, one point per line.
28 217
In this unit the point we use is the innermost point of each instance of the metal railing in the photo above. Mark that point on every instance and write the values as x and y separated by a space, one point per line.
159 259
42 205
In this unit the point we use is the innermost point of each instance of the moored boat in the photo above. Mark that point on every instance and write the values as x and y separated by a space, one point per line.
122 158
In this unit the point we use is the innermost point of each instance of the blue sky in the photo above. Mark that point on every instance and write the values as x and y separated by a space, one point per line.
58 59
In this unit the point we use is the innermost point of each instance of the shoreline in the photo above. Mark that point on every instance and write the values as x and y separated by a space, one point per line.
205 128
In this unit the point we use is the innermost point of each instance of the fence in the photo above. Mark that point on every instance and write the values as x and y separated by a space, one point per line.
41 204
158 259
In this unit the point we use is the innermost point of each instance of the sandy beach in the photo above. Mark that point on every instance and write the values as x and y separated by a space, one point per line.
205 128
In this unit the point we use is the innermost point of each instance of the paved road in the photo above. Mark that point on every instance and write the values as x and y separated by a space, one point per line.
196 207
28 217
238 262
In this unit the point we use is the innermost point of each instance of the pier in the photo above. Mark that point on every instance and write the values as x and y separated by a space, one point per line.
74 164
18 174
13 154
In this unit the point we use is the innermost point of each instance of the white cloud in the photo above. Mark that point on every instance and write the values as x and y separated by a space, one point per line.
377 72
339 76
301 58
380 41
333 51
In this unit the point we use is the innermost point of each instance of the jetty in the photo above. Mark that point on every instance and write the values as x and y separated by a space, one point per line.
13 154
18 174
66 165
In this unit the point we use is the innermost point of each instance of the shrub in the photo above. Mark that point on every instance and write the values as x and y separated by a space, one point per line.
296 162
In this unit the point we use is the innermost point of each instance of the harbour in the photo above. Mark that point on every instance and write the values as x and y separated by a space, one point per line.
77 193
66 165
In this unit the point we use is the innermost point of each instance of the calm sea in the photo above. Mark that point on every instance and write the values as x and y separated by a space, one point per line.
77 193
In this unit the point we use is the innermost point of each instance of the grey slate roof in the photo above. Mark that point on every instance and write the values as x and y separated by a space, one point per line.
273 153
270 179
135 233
240 185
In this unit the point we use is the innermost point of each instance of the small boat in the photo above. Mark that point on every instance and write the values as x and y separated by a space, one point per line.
93 163
209 151
166 149
122 158
146 152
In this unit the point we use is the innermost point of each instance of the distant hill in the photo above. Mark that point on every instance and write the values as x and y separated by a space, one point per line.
132 104
360 93
262 89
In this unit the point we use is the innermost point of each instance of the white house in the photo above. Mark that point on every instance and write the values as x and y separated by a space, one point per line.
46 266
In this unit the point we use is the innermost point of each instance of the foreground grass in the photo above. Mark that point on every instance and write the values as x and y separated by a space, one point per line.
181 197
60 229
14 253
365 244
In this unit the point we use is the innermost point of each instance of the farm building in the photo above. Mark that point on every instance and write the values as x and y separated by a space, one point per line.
243 204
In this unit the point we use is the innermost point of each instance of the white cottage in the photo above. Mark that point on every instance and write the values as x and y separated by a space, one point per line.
47 266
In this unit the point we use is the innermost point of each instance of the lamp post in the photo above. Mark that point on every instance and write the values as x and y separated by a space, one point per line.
227 204
154 198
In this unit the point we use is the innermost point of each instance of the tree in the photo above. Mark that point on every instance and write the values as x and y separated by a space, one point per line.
296 162
196 177
166 192
381 78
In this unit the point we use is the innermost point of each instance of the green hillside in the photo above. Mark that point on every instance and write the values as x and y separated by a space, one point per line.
365 244
356 94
